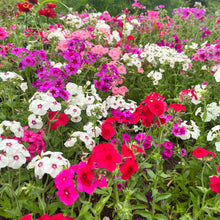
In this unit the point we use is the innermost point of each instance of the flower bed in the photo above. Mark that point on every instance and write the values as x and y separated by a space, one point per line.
108 117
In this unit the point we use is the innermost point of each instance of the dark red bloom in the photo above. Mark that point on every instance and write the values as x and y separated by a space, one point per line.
25 7
47 12
177 107
56 119
129 167
215 184
51 5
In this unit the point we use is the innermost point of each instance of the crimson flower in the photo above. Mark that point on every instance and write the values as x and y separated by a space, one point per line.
51 5
25 7
200 152
107 131
26 217
61 217
106 156
177 107
127 152
44 217
47 12
128 168
60 119
215 184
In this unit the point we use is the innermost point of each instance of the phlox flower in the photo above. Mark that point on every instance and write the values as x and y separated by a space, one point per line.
68 195
106 156
34 121
107 131
64 179
201 153
215 184
128 168
56 118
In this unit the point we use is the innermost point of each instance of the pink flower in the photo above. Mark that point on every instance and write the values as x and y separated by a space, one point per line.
140 70
29 136
114 53
64 179
115 90
121 69
68 195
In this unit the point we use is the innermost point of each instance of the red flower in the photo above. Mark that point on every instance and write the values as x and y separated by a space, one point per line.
177 107
51 5
33 1
86 176
130 37
138 149
106 156
25 7
48 12
127 152
44 217
60 119
215 184
61 217
107 131
26 217
200 152
129 167
157 107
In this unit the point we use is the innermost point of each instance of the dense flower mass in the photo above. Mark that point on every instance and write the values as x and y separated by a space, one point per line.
103 114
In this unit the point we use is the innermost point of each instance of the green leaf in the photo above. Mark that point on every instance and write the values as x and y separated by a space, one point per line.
51 208
101 203
145 214
160 217
85 208
140 196
162 196
145 165
151 174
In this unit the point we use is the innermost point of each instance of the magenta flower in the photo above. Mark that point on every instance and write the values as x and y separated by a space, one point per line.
64 179
68 195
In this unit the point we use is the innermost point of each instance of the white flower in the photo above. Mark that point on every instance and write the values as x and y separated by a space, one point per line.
71 88
16 160
39 107
217 144
3 161
55 106
217 75
73 110
76 119
24 86
70 142
9 75
34 121
48 165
